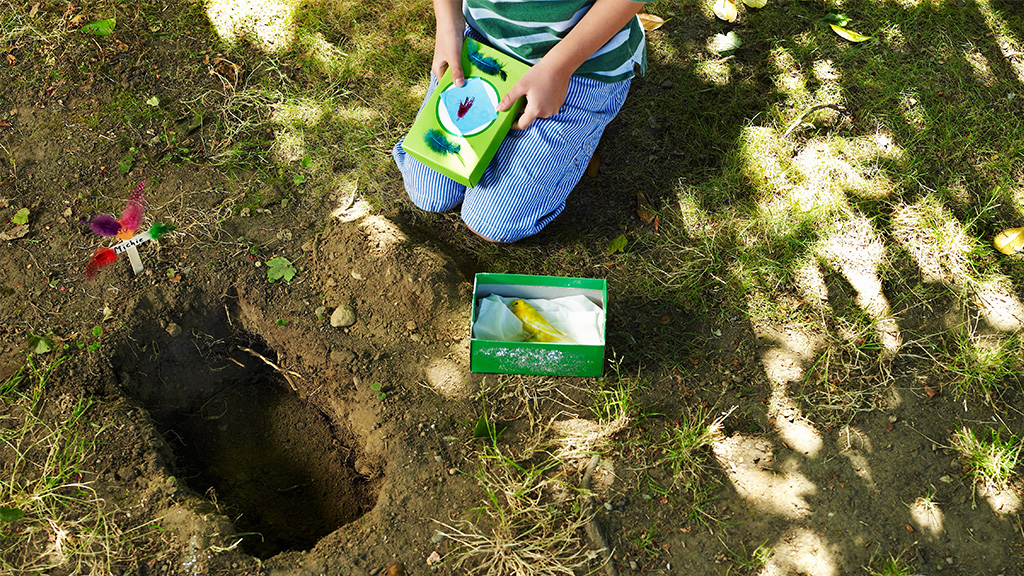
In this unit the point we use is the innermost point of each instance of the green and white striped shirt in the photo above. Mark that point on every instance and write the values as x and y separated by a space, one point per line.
527 29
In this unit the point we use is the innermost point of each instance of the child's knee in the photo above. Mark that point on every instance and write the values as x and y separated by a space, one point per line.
503 227
427 189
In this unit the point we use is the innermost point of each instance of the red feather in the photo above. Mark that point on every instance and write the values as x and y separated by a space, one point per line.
102 258
465 105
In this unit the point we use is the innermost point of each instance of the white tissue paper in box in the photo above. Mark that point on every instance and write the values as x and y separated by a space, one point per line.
576 316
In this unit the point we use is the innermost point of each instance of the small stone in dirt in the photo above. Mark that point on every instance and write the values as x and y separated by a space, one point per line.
949 560
608 506
358 276
437 537
410 326
452 471
633 565
173 329
342 357
343 316
126 473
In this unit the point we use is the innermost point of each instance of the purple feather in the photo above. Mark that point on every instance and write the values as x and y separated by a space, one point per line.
105 225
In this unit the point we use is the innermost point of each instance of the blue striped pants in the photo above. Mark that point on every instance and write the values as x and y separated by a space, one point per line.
525 187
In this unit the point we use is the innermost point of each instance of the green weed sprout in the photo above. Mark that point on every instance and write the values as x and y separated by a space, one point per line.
376 387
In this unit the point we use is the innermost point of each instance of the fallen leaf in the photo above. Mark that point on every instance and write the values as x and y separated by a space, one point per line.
726 10
100 27
910 528
931 392
77 20
616 245
11 60
4 124
650 21
398 569
434 558
644 209
35 10
837 19
755 3
725 44
849 34
14 233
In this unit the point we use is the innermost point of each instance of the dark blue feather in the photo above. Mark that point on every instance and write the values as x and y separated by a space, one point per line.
486 64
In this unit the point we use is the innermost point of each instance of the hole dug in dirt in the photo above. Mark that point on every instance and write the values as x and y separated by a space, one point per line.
276 465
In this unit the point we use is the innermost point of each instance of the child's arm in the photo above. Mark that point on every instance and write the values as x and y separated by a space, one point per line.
451 25
547 83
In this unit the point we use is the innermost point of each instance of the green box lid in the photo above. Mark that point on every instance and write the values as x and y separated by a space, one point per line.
435 139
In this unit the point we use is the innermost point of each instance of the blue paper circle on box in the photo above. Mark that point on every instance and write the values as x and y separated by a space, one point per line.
470 109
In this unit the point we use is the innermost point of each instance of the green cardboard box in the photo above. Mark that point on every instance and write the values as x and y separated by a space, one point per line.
458 131
501 357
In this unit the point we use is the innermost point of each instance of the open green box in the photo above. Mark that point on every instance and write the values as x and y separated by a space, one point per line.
497 357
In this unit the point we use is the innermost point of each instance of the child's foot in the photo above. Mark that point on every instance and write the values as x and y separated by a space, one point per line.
1010 241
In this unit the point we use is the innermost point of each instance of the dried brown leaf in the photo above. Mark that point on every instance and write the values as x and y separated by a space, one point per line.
11 60
650 21
14 233
644 209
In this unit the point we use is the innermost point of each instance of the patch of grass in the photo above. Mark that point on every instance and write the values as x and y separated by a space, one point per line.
686 446
992 460
60 522
754 559
893 566
520 528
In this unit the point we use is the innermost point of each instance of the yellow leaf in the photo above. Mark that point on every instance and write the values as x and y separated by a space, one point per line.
726 10
650 21
849 34
755 3
1010 241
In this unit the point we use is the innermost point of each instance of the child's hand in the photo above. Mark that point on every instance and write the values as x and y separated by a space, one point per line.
448 53
545 92
448 40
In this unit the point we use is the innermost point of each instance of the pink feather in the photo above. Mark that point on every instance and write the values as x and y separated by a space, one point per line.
131 217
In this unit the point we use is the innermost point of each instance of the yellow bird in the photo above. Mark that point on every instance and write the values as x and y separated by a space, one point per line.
540 330
1010 241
